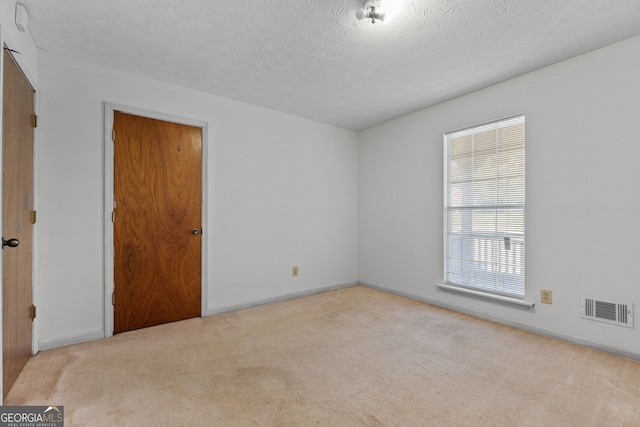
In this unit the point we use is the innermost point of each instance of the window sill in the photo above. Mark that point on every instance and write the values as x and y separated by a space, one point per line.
500 298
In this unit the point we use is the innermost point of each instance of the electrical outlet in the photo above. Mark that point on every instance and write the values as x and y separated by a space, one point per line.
294 270
546 296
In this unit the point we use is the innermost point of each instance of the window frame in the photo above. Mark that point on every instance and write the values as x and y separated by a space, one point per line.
471 206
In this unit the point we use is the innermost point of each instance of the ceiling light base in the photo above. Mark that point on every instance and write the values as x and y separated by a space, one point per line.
372 3
22 18
371 10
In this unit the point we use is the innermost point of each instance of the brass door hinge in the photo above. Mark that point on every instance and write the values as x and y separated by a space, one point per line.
113 216
32 312
34 215
113 135
113 298
34 120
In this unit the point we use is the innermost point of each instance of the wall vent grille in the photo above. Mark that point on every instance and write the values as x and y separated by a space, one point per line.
608 311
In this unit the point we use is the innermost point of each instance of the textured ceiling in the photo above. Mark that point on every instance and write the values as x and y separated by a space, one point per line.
314 59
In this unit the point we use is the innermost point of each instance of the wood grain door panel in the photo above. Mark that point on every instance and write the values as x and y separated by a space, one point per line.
17 205
157 187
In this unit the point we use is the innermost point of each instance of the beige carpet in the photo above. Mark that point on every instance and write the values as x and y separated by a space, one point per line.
351 357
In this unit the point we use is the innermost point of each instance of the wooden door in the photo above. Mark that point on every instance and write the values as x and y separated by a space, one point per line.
17 206
157 221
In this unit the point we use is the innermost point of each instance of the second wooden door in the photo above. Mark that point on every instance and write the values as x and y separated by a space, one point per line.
157 222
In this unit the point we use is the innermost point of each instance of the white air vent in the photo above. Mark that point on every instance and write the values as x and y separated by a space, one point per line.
608 311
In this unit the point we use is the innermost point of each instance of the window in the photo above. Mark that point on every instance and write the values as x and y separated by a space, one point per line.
485 207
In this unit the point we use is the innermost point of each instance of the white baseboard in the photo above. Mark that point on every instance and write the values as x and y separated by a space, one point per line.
99 334
71 339
523 326
280 298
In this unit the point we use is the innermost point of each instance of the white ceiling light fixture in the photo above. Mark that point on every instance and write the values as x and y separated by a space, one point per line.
371 10
21 17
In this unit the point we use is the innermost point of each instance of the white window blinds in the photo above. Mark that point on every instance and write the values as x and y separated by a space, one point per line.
485 207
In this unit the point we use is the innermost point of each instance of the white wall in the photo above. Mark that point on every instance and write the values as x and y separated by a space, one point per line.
583 197
282 191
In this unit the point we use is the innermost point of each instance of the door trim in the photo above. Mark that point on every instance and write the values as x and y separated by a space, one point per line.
109 109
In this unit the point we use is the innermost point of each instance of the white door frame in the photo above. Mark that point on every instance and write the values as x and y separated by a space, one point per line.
109 109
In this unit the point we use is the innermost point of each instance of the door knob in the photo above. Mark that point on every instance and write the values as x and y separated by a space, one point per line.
195 231
12 243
